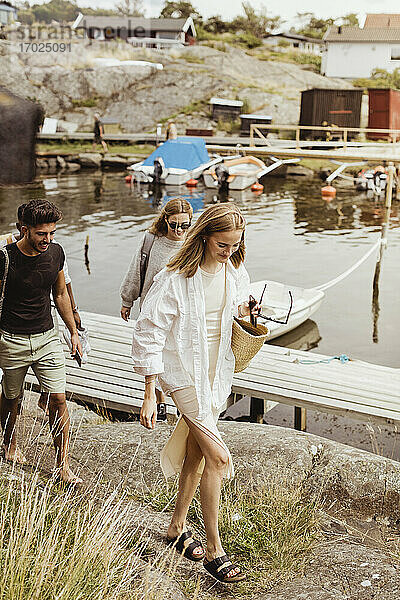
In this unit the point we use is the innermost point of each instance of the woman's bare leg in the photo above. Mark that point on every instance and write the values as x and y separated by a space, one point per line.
188 482
216 463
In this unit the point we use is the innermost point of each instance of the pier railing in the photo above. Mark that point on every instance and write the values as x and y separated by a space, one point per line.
257 129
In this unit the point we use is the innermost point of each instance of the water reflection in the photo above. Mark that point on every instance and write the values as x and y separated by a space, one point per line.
293 236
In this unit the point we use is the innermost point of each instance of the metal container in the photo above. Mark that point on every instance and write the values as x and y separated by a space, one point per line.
383 111
247 120
329 107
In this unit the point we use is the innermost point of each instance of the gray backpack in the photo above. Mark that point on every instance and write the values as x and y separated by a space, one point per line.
144 257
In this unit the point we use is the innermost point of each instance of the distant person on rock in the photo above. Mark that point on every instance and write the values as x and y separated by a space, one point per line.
98 132
163 239
30 270
171 132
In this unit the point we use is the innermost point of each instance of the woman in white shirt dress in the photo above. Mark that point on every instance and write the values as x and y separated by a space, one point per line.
183 337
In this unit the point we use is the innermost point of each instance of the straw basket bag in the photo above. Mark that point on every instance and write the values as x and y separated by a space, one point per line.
247 340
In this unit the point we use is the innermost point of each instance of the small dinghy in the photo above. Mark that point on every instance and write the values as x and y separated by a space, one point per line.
276 302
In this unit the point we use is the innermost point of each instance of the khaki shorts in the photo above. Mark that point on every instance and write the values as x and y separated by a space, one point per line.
41 351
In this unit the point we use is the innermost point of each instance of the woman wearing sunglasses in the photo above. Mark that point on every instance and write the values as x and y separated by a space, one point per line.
183 337
168 230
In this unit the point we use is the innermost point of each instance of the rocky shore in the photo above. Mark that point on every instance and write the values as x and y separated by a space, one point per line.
72 86
357 554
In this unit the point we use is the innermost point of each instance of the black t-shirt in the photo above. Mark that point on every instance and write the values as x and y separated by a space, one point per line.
26 307
96 128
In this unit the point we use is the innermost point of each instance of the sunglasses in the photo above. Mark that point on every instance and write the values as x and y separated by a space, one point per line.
174 225
253 302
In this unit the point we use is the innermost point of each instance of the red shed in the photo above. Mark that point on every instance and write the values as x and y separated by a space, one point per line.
383 111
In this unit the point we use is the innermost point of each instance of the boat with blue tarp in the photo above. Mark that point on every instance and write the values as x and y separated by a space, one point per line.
175 162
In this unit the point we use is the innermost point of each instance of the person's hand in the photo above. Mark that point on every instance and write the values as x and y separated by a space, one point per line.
76 344
148 412
125 312
77 318
244 309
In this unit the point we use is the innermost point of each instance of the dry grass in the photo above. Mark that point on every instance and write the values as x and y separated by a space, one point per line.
270 530
58 544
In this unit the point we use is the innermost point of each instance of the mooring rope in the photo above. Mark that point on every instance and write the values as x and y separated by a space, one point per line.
342 357
331 283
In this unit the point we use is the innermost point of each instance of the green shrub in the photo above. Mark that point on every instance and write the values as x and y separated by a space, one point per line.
249 40
87 102
380 78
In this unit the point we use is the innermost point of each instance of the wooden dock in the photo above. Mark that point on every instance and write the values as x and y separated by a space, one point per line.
359 389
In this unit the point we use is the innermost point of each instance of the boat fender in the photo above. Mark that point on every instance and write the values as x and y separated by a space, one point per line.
128 178
191 183
328 191
257 187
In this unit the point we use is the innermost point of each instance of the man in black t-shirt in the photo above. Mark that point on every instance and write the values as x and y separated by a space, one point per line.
27 333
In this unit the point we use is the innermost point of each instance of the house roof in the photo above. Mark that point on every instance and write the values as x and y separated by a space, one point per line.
369 34
8 6
382 20
295 36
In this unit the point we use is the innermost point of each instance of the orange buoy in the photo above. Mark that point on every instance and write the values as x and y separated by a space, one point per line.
191 183
128 178
328 191
257 187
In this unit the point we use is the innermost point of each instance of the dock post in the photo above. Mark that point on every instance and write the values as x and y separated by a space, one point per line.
300 418
256 410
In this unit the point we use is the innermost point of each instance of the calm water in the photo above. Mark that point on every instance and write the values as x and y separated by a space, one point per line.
293 236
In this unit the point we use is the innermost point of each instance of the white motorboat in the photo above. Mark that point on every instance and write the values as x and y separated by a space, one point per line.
174 162
276 304
237 173
240 172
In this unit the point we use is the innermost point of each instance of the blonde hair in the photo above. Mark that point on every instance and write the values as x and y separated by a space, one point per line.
175 206
221 217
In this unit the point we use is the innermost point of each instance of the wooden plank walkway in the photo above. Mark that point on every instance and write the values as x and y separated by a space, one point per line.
359 389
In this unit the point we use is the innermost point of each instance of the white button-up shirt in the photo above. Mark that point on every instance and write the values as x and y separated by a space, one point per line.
170 335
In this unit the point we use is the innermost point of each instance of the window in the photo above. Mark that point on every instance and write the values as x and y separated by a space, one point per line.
395 53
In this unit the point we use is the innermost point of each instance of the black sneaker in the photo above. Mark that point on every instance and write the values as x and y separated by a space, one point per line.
161 411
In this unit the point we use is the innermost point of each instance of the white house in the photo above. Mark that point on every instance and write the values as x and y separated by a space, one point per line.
354 52
147 32
8 13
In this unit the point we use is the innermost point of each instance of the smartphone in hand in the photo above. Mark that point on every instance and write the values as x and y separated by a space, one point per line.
78 358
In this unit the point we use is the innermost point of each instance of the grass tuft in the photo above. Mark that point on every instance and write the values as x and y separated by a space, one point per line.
57 544
270 530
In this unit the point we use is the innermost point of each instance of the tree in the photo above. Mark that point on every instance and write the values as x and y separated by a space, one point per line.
130 8
312 25
255 23
180 10
215 24
351 19
57 10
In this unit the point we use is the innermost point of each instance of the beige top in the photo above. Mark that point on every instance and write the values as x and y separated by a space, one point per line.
214 296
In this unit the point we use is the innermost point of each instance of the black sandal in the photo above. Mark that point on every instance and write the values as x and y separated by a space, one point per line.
220 567
186 545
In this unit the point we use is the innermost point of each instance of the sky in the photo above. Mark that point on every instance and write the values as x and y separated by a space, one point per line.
228 9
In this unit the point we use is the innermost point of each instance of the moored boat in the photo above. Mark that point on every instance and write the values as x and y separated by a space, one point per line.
276 304
237 173
174 162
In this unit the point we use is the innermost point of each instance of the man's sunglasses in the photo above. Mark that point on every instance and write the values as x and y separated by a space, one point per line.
253 302
174 225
